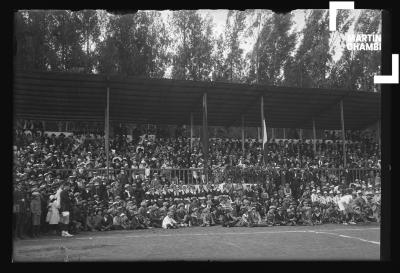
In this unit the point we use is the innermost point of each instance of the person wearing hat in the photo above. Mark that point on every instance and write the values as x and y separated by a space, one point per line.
344 207
124 222
368 207
280 217
206 217
65 208
91 222
53 215
376 205
155 217
77 218
169 222
36 211
181 215
314 196
227 219
270 217
195 217
21 211
306 213
291 216
106 221
316 217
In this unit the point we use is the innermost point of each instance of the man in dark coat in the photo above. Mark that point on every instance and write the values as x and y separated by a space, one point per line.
65 209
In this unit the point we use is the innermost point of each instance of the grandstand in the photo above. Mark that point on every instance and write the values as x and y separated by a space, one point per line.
136 181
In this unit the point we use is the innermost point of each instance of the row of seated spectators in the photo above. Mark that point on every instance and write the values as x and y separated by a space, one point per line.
77 151
141 203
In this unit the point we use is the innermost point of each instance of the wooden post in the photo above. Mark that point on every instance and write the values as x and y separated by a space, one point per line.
205 135
343 134
314 136
191 131
378 131
243 135
284 133
107 134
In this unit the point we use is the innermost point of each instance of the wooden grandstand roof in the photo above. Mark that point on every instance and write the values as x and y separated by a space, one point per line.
72 96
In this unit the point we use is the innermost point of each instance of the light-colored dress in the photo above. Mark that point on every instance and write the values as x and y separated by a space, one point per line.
53 215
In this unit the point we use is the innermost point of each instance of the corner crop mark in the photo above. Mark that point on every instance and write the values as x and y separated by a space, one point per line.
333 7
390 79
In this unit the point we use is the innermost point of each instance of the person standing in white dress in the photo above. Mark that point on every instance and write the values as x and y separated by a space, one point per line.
53 214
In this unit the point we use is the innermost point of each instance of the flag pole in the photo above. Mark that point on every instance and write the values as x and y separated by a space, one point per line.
263 129
205 135
243 135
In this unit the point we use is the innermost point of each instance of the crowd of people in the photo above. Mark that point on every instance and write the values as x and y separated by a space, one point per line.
293 190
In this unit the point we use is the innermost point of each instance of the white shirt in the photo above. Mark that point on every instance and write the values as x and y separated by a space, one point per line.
167 221
344 201
314 197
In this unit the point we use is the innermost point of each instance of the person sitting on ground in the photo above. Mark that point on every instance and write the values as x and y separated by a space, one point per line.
117 222
246 219
206 218
291 216
155 217
106 221
169 222
180 215
256 218
317 216
143 215
227 220
124 221
270 217
306 215
90 222
195 217
97 219
280 217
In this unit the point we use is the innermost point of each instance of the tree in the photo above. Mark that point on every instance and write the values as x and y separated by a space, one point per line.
88 26
193 46
273 47
355 70
235 25
136 44
31 35
258 19
67 52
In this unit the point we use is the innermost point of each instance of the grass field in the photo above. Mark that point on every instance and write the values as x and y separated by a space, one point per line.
325 242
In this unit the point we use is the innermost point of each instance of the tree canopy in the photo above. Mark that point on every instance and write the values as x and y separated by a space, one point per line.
186 45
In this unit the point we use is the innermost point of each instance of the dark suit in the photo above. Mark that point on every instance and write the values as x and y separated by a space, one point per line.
65 201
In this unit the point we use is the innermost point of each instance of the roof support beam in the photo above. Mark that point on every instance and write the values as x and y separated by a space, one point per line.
243 135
